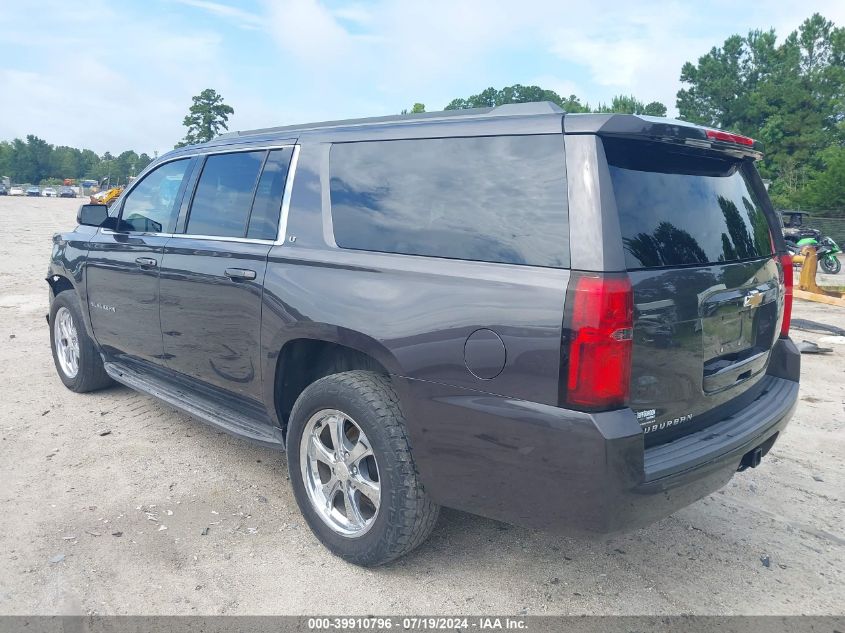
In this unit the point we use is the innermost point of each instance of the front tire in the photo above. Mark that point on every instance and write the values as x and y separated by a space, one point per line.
831 265
75 355
352 471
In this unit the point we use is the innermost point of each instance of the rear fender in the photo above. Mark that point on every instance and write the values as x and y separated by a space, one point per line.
272 344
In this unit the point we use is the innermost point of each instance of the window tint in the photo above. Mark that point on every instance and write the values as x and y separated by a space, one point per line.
495 199
678 208
264 220
151 205
224 194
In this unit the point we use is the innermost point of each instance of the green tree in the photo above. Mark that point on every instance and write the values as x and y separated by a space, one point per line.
5 158
516 94
40 157
826 189
524 94
417 108
143 160
206 117
35 161
790 95
626 104
87 164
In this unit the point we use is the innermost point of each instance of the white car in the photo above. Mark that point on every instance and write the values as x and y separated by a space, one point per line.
49 192
16 191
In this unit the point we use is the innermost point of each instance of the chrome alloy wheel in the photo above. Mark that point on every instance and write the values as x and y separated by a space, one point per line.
340 472
66 341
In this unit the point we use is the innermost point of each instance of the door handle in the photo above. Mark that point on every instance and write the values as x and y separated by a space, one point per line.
146 262
240 274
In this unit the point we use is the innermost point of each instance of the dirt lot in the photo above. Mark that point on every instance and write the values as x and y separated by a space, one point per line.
105 500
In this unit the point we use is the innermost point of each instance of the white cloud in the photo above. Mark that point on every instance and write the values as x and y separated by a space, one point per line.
640 55
129 90
243 19
356 13
309 32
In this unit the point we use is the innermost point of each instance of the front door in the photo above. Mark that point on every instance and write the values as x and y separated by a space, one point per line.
212 275
122 269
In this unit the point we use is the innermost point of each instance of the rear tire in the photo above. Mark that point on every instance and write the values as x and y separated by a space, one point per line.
77 360
831 265
363 410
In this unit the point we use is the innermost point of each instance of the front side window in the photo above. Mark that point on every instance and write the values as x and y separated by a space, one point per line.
151 206
224 194
494 199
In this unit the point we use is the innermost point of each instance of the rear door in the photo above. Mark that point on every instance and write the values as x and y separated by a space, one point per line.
213 273
699 251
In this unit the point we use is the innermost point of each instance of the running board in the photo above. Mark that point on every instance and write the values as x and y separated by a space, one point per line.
211 412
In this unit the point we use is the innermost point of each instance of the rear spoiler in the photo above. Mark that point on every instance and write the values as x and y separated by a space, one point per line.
665 131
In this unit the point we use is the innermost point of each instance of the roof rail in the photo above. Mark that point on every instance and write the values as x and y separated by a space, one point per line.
508 109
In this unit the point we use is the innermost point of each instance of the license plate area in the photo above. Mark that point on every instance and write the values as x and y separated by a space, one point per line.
738 331
728 332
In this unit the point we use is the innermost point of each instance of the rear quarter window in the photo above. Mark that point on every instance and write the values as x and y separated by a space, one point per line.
679 208
495 199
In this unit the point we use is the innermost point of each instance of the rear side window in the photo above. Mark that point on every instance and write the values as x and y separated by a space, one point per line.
679 208
264 221
494 199
224 194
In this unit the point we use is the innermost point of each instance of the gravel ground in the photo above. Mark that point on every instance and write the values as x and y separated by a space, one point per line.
111 503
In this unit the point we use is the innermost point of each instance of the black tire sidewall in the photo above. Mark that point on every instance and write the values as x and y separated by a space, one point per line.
831 267
86 349
330 394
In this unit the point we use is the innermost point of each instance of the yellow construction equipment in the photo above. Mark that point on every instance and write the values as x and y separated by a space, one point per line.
808 289
107 197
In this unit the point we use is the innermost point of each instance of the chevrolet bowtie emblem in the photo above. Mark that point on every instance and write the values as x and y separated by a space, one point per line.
752 299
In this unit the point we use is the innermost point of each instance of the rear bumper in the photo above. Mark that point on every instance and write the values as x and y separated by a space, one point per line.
541 466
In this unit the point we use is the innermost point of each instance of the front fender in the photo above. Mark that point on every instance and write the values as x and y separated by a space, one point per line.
66 270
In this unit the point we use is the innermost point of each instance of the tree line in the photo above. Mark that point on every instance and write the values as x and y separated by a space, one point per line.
623 104
35 161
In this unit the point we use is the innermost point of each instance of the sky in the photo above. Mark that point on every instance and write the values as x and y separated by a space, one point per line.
112 75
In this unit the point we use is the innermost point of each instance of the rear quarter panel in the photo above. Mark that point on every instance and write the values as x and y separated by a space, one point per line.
413 314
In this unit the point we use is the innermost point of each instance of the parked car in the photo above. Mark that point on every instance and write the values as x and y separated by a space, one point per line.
460 309
49 192
67 192
16 190
3 190
33 191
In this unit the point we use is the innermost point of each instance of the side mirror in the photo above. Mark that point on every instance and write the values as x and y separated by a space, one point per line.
92 214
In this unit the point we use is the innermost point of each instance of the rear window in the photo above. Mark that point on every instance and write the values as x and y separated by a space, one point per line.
494 199
679 208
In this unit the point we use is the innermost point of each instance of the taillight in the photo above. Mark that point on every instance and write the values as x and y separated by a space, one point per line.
596 374
786 265
719 135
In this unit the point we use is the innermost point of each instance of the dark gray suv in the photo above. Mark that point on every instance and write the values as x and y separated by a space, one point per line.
575 321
